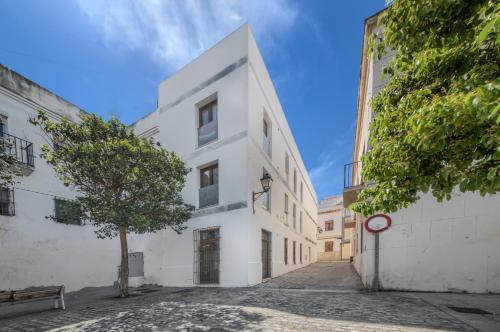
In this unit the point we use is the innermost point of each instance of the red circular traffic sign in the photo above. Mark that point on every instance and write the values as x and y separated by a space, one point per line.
378 223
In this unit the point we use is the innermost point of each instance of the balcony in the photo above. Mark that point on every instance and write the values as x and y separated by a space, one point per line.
353 182
19 150
207 133
209 195
266 145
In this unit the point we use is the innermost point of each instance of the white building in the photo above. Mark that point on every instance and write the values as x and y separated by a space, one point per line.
330 211
431 246
335 230
221 114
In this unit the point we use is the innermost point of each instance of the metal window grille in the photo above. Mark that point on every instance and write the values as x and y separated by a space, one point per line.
67 212
206 269
7 206
17 148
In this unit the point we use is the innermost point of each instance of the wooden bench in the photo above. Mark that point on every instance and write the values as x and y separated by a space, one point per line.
34 294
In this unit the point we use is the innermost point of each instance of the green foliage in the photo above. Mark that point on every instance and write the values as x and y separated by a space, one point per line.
9 167
67 212
437 120
122 180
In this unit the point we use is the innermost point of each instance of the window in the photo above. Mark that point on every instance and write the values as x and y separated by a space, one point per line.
294 261
286 251
67 212
6 202
3 124
294 214
207 123
329 225
328 246
266 200
209 185
301 192
287 166
295 181
300 253
266 135
286 208
300 221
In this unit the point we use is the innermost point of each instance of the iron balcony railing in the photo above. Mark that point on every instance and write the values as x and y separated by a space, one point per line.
207 133
209 195
17 148
352 175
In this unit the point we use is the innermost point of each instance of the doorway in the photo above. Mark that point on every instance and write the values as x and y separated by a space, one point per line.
208 251
266 254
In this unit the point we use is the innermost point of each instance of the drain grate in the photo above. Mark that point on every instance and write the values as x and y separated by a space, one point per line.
466 310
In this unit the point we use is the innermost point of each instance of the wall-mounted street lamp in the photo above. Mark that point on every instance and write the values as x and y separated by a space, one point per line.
266 181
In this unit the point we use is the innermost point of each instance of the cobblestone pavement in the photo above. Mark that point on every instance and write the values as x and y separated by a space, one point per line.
261 309
321 275
236 309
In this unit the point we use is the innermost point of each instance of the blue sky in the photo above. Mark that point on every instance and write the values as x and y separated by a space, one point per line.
108 57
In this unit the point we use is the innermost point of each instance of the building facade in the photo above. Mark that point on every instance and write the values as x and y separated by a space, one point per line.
450 246
335 230
330 224
220 114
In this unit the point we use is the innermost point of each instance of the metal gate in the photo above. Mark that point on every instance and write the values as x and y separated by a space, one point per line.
206 266
266 254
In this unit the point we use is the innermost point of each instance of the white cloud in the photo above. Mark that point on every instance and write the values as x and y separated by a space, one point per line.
323 170
175 32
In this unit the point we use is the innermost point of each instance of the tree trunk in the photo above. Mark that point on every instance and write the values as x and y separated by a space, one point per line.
124 263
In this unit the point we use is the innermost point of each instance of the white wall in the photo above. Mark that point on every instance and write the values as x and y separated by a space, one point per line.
263 102
34 250
330 214
431 246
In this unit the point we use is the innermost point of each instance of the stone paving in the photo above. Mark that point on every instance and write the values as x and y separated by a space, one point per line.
261 308
321 275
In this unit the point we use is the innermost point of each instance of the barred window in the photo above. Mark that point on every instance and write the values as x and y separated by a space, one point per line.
67 212
6 202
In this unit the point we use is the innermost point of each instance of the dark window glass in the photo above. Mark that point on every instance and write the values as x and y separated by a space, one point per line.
208 113
328 225
209 175
286 251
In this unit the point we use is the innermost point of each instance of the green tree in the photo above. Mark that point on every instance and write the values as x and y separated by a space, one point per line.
9 167
125 184
437 120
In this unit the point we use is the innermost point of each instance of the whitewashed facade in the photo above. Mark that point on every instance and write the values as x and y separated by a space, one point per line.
330 225
221 114
452 246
